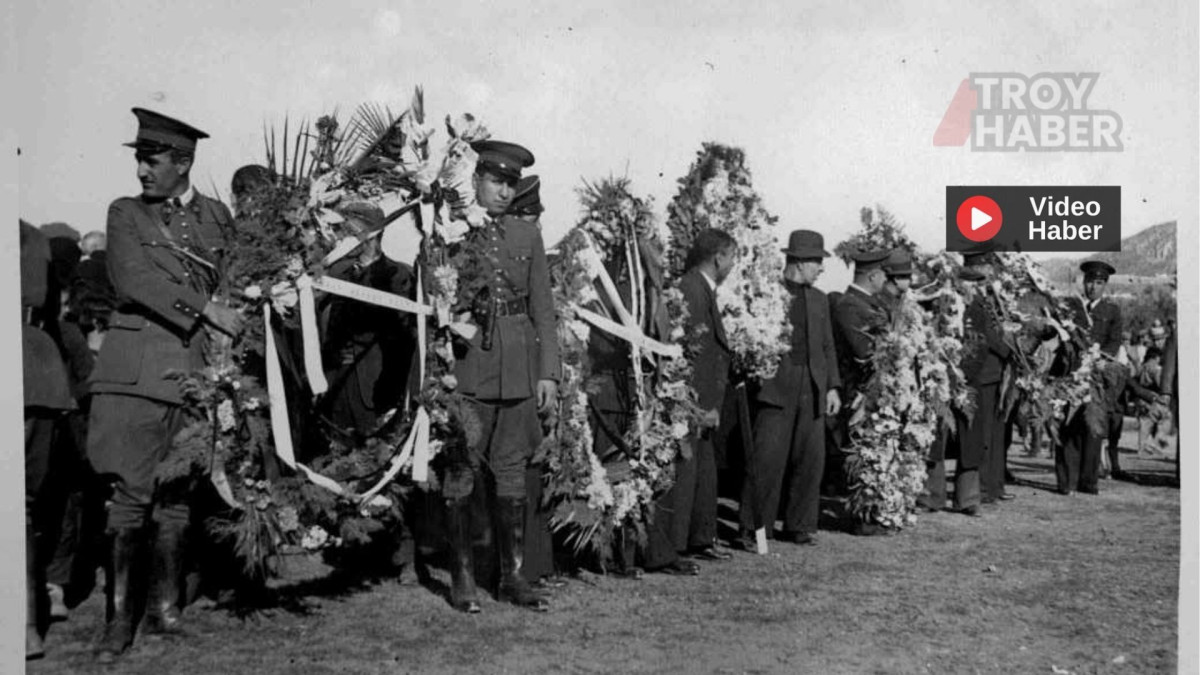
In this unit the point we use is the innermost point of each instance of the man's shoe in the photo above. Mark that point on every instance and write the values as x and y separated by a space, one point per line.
972 511
1007 496
799 538
870 530
711 553
681 568
746 541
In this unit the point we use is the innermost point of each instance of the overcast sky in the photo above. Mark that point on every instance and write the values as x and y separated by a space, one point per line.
835 103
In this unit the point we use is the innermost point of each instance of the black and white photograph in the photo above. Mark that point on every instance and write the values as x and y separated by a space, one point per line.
602 337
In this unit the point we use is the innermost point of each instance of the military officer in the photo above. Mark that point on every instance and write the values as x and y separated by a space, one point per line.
509 373
1077 458
980 473
789 431
165 250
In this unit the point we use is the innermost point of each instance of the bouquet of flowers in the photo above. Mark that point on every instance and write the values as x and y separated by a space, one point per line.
594 496
289 230
717 193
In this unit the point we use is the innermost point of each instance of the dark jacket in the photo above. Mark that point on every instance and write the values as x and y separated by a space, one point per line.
525 344
161 293
985 350
44 375
812 341
1103 323
857 319
705 338
377 339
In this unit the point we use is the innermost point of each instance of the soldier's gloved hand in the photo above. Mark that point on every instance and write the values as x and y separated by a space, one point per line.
547 394
833 403
711 419
223 318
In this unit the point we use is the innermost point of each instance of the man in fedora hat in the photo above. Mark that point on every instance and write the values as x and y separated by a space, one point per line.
1077 458
898 267
789 429
165 251
509 374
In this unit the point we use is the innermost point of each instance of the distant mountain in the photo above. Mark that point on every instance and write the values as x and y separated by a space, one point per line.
1148 253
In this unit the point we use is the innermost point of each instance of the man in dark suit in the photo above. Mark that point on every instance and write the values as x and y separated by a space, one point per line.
363 342
164 257
1077 458
979 476
789 430
685 517
48 398
509 373
858 317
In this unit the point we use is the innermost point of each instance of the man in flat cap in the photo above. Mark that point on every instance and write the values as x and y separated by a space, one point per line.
858 317
165 250
510 374
1077 458
898 267
789 429
362 341
979 477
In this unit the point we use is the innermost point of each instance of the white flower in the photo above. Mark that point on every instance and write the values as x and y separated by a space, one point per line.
252 292
315 538
225 416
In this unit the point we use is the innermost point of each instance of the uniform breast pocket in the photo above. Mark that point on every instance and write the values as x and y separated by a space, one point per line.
519 259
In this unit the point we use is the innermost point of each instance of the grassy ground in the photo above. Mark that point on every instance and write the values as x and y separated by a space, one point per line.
1041 584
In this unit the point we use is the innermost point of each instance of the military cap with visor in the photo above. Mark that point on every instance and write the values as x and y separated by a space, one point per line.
528 200
159 133
502 158
1097 269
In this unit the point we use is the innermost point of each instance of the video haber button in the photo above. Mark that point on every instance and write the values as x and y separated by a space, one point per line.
1078 219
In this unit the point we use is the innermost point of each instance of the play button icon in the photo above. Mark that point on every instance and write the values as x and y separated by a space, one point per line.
979 218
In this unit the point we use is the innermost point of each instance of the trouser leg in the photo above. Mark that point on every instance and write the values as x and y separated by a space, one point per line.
808 463
763 480
1116 422
702 530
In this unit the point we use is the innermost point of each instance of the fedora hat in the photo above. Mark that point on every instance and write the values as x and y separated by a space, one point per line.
806 245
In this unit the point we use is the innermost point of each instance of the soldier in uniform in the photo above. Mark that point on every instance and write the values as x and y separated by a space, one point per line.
509 373
165 250
979 477
1077 458
538 565
789 431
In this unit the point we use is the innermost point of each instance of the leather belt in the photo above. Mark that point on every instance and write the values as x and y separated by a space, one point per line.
512 307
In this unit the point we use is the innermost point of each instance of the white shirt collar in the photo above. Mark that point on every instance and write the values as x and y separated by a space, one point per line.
861 289
188 195
712 285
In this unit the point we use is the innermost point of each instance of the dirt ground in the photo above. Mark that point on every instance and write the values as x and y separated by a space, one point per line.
1040 584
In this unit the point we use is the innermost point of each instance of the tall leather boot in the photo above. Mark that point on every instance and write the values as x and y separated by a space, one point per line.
162 607
118 629
462 574
510 539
